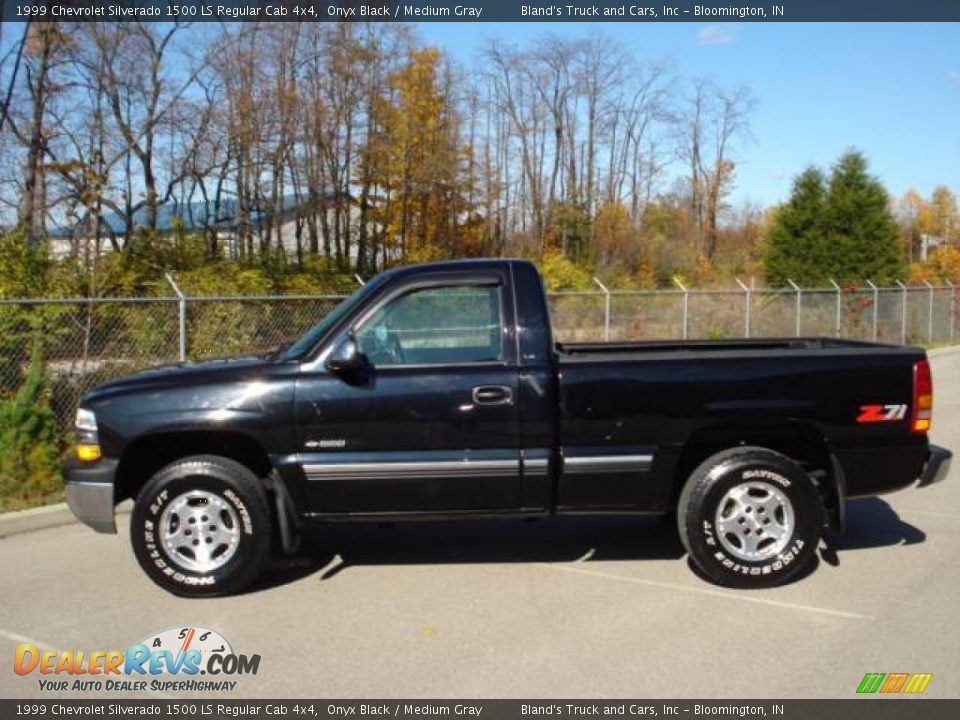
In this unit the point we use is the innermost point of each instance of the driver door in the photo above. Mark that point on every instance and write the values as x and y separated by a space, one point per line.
431 426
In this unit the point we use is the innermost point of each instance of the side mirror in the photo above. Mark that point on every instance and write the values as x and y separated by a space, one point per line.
346 356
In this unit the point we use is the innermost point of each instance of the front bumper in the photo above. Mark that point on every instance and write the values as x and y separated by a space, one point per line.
937 467
90 493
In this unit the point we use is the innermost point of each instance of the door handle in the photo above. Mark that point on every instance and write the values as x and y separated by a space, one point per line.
492 395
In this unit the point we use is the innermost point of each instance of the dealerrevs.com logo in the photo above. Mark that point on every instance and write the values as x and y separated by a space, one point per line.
171 660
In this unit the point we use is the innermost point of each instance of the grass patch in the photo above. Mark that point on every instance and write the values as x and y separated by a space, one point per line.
25 501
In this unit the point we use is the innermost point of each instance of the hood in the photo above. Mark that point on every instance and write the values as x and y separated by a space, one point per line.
182 374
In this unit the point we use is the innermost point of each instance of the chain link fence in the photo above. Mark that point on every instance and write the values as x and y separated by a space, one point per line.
88 341
924 315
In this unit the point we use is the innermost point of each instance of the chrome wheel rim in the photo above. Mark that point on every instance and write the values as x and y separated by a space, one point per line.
754 521
199 531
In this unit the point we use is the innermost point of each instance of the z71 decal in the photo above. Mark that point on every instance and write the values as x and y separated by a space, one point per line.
881 413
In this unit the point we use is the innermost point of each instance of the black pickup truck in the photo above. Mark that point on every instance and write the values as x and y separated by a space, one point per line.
437 392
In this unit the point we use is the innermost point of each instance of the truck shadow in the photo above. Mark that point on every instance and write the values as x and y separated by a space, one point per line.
871 523
332 549
327 551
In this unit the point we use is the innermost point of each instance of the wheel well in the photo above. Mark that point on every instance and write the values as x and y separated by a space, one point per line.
146 455
797 441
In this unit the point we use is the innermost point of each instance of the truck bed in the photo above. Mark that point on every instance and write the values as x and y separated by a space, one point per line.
650 398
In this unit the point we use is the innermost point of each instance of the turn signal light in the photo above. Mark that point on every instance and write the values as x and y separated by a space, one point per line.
922 416
88 453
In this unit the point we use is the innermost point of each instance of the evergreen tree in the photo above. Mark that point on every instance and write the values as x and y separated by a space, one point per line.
862 232
845 231
796 247
29 443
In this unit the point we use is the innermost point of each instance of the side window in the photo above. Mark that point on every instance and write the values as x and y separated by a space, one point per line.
438 325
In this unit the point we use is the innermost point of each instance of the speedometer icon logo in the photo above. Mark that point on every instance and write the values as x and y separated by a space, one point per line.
182 639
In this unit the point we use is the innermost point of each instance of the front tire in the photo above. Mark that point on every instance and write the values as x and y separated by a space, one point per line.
201 526
750 517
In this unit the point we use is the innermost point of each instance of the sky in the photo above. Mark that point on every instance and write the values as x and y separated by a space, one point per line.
892 90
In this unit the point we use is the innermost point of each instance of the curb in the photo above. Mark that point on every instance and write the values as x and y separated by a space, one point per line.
937 352
41 518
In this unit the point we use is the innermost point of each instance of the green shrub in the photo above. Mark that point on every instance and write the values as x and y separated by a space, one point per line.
29 443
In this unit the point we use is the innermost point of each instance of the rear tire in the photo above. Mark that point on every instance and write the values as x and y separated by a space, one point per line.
201 526
750 518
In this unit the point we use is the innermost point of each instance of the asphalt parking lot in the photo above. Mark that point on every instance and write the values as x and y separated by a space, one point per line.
552 609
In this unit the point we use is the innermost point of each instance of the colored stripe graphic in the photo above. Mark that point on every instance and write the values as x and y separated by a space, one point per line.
871 682
918 682
892 683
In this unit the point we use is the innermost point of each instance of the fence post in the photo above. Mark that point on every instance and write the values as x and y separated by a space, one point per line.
799 302
929 312
839 317
953 306
746 309
903 312
183 316
876 303
686 306
606 310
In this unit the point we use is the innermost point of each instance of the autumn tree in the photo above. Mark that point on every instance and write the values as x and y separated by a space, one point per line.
343 147
514 97
710 121
614 238
910 211
41 50
941 218
421 158
141 96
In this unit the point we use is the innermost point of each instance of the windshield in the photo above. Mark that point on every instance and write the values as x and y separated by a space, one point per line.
318 331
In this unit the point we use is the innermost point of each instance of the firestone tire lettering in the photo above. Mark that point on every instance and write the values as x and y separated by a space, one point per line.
698 505
233 483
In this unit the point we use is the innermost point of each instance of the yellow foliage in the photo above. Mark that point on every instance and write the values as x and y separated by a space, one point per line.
425 253
416 157
614 237
561 273
644 277
704 270
942 264
917 273
224 278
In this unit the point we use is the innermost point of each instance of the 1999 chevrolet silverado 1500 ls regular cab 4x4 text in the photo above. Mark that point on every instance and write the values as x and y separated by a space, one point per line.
437 392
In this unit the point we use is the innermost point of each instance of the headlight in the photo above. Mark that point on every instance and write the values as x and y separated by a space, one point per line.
86 420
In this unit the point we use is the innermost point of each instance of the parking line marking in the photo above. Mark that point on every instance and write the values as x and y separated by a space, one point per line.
935 513
706 591
17 638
